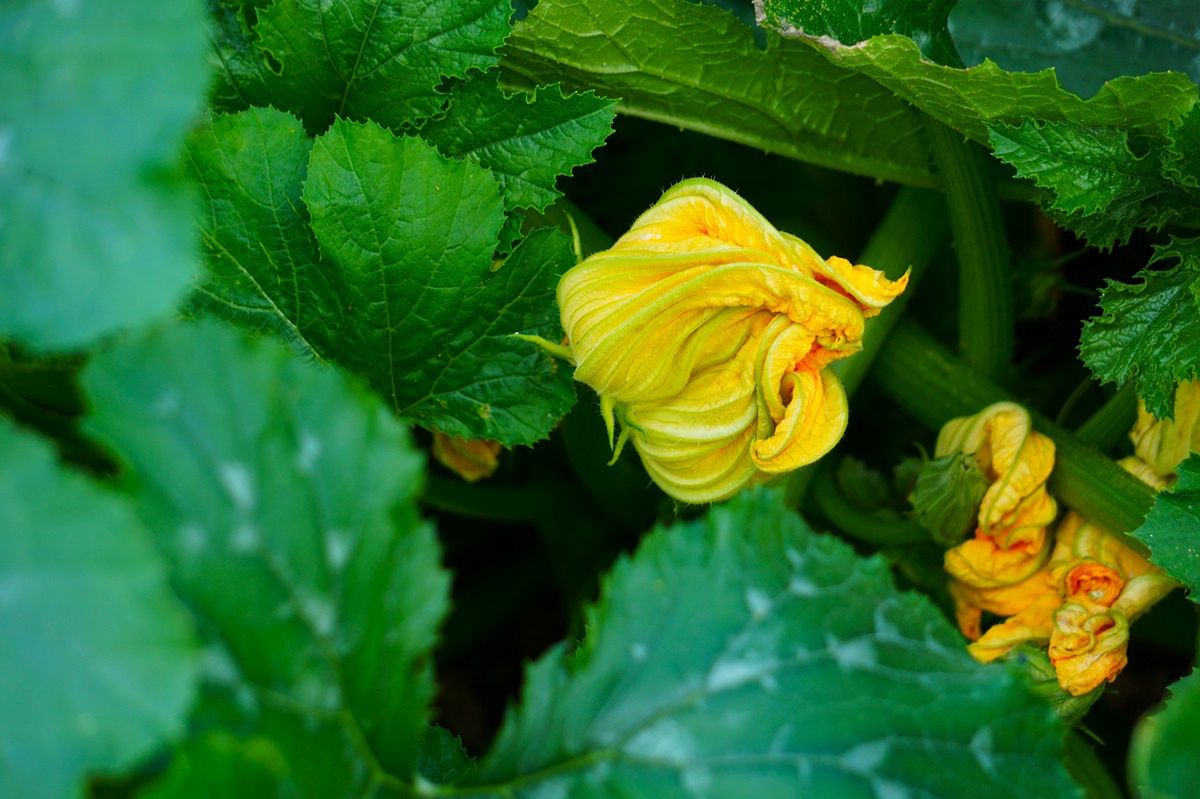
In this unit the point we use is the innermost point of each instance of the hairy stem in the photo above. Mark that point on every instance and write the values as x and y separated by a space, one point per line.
1112 421
985 304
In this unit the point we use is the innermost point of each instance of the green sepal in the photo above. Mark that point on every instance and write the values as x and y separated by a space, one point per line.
946 497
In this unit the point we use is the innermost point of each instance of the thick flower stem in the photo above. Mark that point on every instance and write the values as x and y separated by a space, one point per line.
934 386
1112 421
828 498
985 305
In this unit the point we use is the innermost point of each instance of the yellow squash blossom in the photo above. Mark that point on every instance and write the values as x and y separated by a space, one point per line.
998 570
471 459
1164 443
706 332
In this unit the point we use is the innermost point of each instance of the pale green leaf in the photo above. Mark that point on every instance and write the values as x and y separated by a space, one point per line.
97 97
98 660
526 140
1172 529
742 655
284 497
413 235
1149 331
852 21
698 67
1162 755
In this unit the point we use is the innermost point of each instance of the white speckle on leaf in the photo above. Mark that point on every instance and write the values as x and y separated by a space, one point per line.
769 683
802 586
319 612
245 539
638 652
886 789
779 741
239 484
666 740
6 137
1072 29
726 674
866 758
310 450
697 779
981 747
168 404
884 629
337 548
192 538
794 557
856 654
759 602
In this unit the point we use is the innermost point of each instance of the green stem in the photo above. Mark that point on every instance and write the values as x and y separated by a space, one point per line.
516 504
985 305
934 386
908 237
1112 422
830 501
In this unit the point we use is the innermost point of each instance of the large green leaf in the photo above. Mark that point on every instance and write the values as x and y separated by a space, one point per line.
852 21
98 660
1162 756
969 100
413 235
264 270
527 140
698 67
97 96
1100 187
378 59
284 497
1086 41
1150 331
742 655
1172 529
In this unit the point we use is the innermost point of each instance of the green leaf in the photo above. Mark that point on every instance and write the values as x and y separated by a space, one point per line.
1087 42
1162 755
743 655
698 67
264 270
1172 529
413 234
97 97
527 140
1101 188
284 497
852 21
369 59
969 100
1182 158
1150 331
98 661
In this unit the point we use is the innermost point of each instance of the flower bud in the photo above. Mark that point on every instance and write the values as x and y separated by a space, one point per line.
998 570
706 333
1163 444
471 459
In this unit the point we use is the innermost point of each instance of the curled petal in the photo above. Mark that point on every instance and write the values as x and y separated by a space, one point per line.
707 332
1033 624
1163 444
1087 645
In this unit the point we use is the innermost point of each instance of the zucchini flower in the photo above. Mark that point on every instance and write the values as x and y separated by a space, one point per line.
999 569
707 333
1163 444
472 459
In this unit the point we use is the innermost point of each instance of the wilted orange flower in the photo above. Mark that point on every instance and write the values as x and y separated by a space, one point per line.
706 333
999 569
471 459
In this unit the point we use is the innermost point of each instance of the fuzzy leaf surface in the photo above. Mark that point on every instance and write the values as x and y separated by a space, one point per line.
1162 755
283 495
383 60
413 233
264 270
1149 331
99 660
1172 529
743 655
1087 42
1101 189
526 140
93 220
705 72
